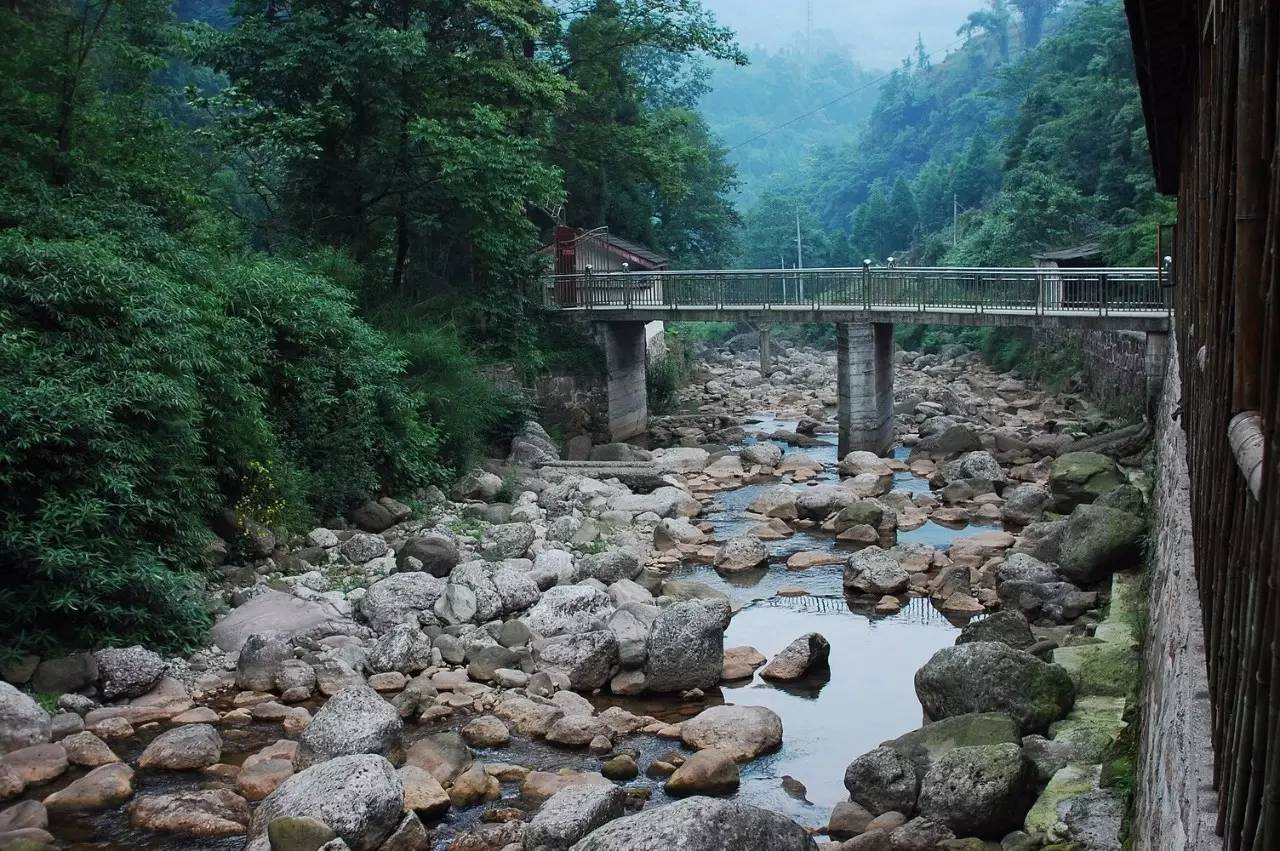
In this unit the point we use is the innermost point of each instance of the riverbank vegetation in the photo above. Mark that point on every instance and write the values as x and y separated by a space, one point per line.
260 260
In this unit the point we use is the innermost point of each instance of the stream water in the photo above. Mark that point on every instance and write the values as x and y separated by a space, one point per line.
865 697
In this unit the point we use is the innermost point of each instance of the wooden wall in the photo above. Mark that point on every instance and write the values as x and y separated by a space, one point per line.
1228 329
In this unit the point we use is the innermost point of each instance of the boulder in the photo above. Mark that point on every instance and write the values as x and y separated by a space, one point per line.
588 658
200 812
743 732
1024 504
1006 627
671 532
882 780
987 676
442 755
486 731
571 814
700 824
435 552
261 659
610 566
359 797
507 540
707 772
403 648
1098 541
128 671
979 791
517 587
665 502
806 653
423 793
22 721
924 745
1078 478
952 440
477 485
372 517
862 463
779 502
356 720
764 453
363 547
874 571
741 662
1021 567
101 788
470 595
686 647
632 633
184 748
65 674
568 609
278 612
400 598
745 552
920 834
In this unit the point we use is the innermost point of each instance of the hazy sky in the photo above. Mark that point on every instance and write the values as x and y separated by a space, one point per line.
880 32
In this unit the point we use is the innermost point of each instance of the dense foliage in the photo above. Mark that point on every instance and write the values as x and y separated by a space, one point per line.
261 263
1028 138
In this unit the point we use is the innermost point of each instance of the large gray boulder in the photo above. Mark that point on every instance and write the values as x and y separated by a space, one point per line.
22 721
508 540
128 671
951 440
1008 627
874 571
1021 567
924 745
979 791
610 566
360 798
700 824
883 780
571 814
1098 541
356 720
470 595
400 598
261 659
686 647
403 648
1078 478
1024 504
742 553
278 612
567 609
588 659
743 732
987 676
516 586
664 501
435 552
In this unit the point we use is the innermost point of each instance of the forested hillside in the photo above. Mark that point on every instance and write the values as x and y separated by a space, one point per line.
252 262
1029 137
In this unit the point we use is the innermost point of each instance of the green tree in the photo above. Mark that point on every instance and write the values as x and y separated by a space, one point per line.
993 21
903 215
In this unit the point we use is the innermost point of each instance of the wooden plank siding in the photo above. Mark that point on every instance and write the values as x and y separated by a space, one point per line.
1208 72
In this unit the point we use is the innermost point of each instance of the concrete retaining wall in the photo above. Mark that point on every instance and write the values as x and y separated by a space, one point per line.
1176 806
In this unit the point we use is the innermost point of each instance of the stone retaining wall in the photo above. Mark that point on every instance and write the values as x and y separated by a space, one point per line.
1176 805
1115 369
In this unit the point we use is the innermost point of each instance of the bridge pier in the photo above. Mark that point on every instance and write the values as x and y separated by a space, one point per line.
864 378
624 357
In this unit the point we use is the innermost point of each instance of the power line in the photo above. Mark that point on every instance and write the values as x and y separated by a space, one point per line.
834 101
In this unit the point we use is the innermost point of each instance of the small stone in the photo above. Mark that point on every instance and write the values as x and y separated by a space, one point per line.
620 767
184 748
709 771
87 750
423 794
486 731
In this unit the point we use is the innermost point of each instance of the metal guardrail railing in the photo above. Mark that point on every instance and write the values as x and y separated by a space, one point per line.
1098 292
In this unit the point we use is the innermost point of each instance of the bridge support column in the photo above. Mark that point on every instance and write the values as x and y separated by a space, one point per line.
624 356
1157 355
766 351
864 378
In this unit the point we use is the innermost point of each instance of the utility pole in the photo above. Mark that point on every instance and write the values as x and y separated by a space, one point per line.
799 244
955 220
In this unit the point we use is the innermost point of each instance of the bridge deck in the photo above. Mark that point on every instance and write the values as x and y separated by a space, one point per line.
1131 299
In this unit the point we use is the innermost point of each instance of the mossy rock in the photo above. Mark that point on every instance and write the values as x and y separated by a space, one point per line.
1097 541
1125 497
298 833
1092 728
1078 478
925 745
1071 781
969 844
1105 669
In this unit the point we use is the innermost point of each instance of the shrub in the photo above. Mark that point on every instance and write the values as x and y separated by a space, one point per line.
103 480
137 397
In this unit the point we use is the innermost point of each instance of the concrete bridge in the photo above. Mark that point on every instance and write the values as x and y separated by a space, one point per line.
864 304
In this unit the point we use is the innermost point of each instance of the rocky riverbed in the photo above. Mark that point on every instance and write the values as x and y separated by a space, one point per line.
724 640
